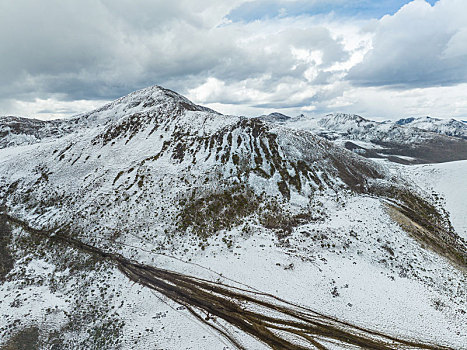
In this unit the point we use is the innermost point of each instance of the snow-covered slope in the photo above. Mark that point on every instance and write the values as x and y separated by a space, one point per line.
246 202
449 182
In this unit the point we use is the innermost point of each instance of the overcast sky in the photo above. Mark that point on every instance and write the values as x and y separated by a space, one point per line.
377 58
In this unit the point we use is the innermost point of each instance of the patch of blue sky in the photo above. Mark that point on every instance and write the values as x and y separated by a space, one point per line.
362 9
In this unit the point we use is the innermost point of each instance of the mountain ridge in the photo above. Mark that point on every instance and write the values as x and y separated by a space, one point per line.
448 127
387 139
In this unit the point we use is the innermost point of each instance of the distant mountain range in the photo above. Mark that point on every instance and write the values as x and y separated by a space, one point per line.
448 127
407 141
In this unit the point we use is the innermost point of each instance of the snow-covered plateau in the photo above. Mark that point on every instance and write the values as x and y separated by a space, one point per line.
155 223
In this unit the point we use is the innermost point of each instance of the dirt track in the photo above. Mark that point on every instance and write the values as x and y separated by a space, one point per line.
271 320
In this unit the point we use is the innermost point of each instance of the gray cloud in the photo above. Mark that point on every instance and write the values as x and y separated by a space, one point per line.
103 49
80 49
59 57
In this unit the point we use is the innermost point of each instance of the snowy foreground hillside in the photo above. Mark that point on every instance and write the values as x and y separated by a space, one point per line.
155 223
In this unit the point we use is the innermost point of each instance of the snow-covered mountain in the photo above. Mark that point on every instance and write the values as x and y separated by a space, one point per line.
275 117
21 131
397 141
16 131
448 127
155 183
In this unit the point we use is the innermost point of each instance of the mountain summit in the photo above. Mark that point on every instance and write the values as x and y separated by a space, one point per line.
151 101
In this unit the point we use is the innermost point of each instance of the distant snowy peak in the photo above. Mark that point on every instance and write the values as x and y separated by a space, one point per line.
341 125
357 127
448 127
343 122
343 118
275 117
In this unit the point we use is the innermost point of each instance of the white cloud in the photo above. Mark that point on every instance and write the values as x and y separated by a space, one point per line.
102 49
419 46
381 103
50 108
457 45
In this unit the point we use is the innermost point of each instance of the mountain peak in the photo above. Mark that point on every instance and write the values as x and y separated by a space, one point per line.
150 100
152 96
138 107
344 117
275 117
154 93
